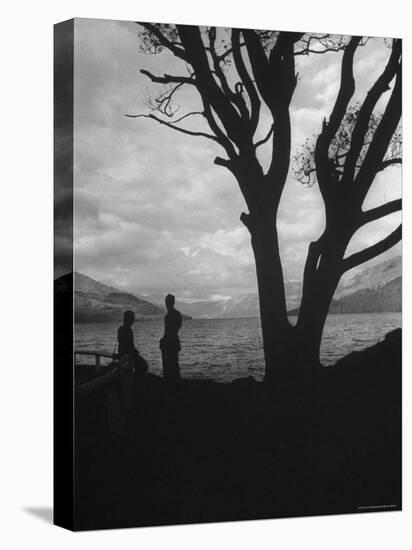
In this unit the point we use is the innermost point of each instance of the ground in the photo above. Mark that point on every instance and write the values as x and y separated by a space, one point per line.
321 442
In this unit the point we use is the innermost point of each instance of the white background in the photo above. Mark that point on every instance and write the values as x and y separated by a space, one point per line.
26 275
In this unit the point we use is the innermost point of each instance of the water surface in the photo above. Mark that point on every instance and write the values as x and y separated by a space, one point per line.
225 349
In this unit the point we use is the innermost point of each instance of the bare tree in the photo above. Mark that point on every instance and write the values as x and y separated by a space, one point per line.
355 144
234 76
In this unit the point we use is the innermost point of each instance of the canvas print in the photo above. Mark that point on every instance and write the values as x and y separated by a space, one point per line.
227 274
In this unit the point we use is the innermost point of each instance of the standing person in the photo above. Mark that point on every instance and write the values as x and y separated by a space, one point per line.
170 343
126 344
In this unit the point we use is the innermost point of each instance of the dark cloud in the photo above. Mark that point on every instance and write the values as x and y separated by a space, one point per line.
63 148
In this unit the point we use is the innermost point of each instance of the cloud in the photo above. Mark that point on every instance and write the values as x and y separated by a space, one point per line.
152 212
63 153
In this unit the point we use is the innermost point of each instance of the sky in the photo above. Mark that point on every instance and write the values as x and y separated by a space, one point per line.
153 214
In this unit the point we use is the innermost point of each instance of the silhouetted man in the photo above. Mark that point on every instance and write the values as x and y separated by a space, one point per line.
126 344
170 344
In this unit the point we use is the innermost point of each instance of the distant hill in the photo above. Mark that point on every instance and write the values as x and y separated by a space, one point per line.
96 302
370 277
370 289
246 305
208 309
371 300
243 306
374 289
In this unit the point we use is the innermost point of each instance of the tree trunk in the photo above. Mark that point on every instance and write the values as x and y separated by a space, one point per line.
284 345
276 329
311 323
321 278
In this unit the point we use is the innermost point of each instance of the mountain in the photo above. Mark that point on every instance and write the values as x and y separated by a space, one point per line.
202 309
96 302
371 300
373 289
241 306
371 277
246 305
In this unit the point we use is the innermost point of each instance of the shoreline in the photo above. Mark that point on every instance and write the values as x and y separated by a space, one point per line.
97 322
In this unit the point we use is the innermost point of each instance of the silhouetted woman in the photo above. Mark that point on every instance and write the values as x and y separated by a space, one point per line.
170 344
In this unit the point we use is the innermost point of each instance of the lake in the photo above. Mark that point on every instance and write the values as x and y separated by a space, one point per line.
225 349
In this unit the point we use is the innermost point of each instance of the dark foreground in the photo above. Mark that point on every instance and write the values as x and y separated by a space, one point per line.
323 442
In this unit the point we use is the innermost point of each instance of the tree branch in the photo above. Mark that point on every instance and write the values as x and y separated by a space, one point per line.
235 98
346 90
260 64
374 158
282 69
365 112
163 102
228 51
164 41
389 162
380 211
307 51
177 128
328 43
168 79
220 136
210 91
266 138
372 251
247 81
192 113
226 163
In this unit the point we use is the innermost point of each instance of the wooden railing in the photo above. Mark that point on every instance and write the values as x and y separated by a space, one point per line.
103 381
97 355
118 409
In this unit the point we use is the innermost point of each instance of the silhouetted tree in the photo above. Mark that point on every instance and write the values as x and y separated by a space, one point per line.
235 73
353 147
